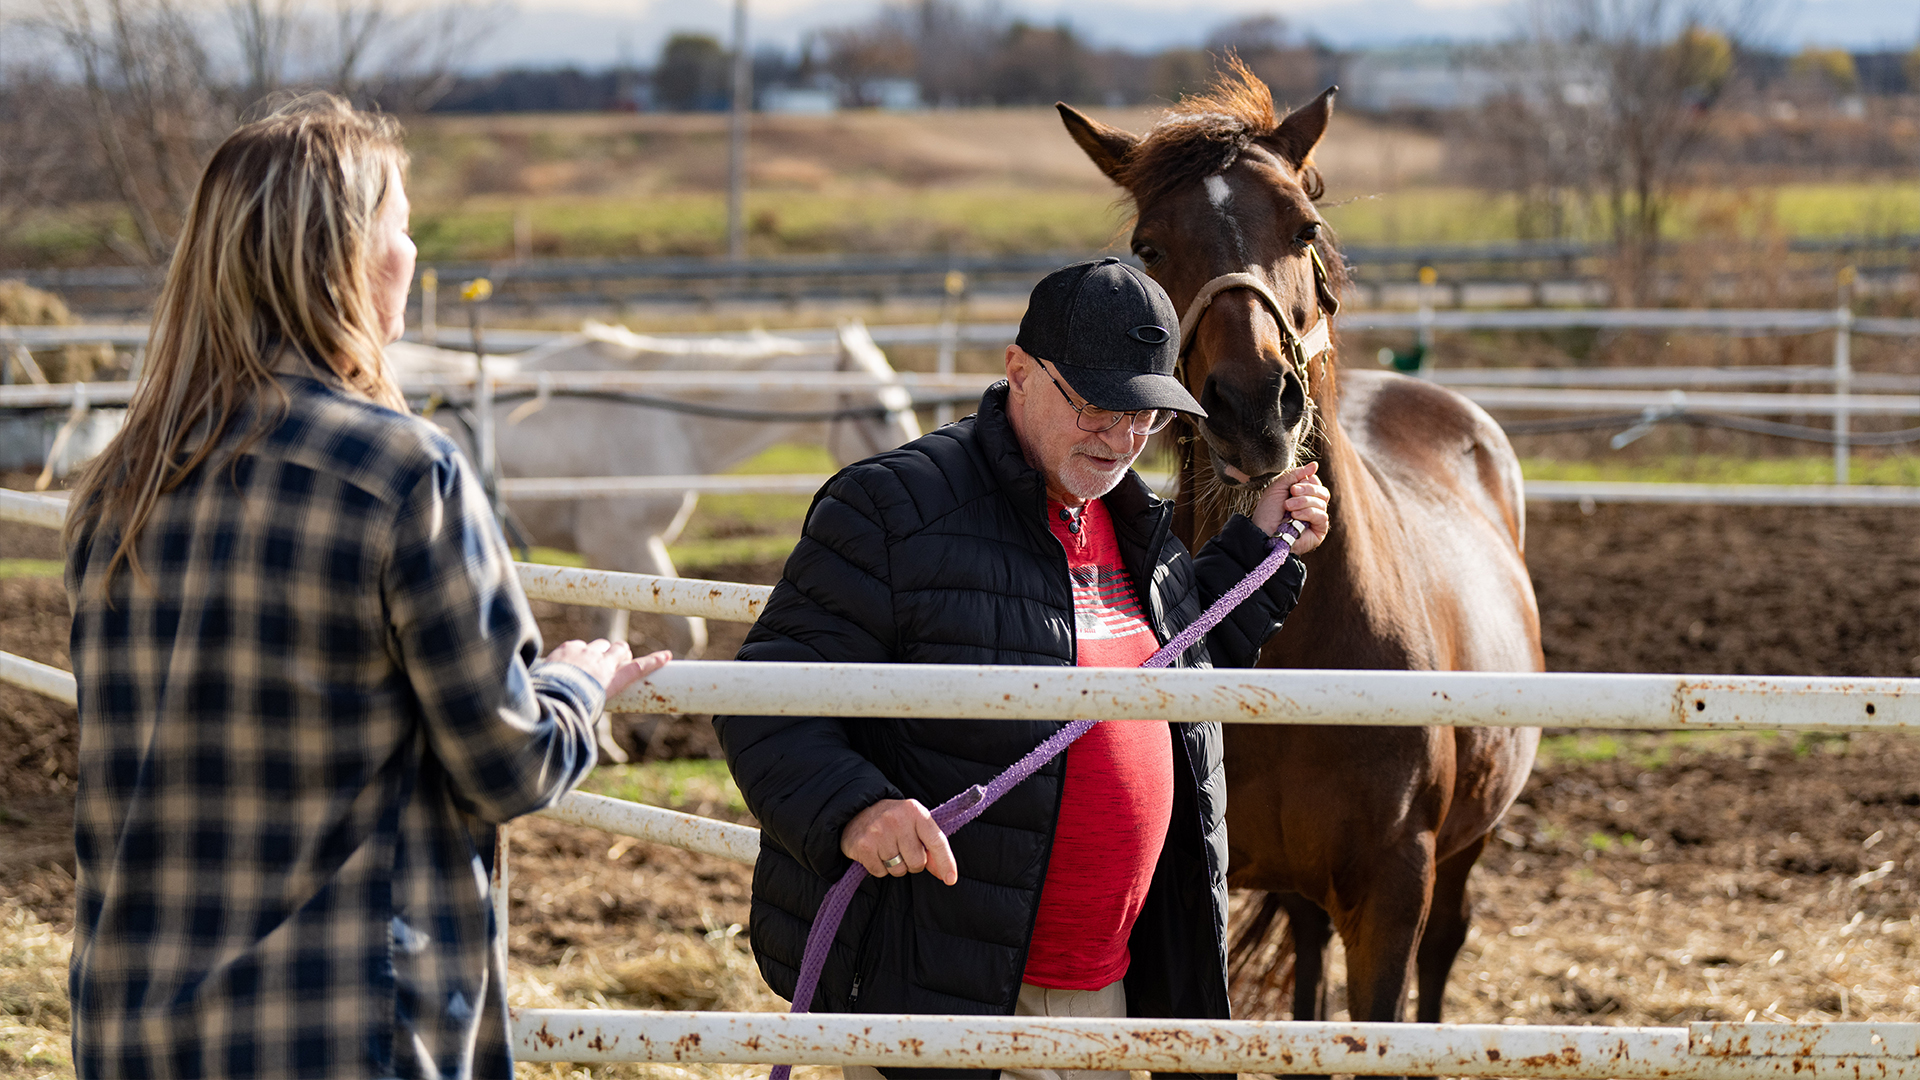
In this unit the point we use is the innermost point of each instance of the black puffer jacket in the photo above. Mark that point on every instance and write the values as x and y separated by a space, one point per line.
939 552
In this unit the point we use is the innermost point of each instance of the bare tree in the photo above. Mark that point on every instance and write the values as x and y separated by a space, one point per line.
405 58
152 107
262 29
155 86
1620 92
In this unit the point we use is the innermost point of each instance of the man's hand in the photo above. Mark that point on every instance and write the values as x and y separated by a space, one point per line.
1296 493
897 837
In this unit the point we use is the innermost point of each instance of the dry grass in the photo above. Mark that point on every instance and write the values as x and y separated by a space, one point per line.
711 970
34 1020
1660 880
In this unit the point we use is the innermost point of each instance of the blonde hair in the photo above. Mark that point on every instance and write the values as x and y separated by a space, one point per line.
277 253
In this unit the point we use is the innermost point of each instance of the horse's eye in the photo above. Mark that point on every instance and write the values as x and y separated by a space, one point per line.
1146 253
1309 234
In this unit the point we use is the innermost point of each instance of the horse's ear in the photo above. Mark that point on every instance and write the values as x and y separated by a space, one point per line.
1300 132
1107 146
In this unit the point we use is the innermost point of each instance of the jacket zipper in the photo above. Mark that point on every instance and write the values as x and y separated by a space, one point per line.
860 954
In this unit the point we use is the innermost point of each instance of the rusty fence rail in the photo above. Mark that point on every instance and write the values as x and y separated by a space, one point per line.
1701 1051
721 839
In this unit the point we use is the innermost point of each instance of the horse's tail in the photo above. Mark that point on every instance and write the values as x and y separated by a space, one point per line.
1260 962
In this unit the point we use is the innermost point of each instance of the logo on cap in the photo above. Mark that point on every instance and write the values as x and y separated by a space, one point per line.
1150 335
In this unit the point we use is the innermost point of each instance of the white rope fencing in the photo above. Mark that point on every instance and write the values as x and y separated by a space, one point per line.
1749 320
527 489
897 390
1592 492
54 395
1716 1051
1510 396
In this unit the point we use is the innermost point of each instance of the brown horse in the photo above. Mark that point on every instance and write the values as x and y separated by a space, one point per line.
1368 831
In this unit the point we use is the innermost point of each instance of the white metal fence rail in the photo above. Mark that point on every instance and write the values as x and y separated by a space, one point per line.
1710 1051
1720 1051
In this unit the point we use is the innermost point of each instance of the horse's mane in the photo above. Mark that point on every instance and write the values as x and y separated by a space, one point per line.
1204 134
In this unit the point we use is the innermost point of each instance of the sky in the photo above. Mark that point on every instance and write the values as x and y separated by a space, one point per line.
599 33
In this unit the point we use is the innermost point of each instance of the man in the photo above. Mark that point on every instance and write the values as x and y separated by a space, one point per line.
1019 535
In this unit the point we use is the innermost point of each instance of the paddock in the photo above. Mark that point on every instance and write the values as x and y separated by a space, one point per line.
1704 1049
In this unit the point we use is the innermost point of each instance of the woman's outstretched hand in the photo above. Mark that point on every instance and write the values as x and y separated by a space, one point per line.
611 663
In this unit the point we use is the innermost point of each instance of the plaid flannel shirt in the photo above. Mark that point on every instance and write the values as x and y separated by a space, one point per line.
293 748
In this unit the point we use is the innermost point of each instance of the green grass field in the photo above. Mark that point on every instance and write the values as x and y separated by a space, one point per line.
985 220
1889 470
1654 750
25 568
996 219
686 784
1455 215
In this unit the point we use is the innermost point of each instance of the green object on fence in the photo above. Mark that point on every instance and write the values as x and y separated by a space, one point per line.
1405 362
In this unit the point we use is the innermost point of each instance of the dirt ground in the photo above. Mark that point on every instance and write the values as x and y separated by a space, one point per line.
1641 879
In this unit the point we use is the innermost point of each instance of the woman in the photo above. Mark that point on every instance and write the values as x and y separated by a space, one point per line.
309 680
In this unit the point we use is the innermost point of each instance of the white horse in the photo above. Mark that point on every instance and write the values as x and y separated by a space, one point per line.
575 437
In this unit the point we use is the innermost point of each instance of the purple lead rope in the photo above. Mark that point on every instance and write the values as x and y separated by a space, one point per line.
973 802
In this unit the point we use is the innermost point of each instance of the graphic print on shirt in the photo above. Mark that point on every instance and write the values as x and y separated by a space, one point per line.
1104 605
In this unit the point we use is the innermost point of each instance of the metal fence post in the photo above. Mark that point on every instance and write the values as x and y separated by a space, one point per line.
430 307
498 891
742 101
1842 376
1429 277
475 293
956 288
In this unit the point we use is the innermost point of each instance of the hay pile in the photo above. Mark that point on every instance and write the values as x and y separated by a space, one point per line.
34 1020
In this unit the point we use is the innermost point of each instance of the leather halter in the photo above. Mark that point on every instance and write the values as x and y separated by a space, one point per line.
1303 348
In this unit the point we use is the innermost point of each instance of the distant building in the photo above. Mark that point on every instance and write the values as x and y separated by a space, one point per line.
1435 76
799 100
1446 77
893 95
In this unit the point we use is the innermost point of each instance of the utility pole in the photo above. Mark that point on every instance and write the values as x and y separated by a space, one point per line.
737 137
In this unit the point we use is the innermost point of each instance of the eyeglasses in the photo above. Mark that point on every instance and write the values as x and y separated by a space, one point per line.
1095 418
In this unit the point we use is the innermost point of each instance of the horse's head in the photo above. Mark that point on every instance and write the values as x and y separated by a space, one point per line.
1224 194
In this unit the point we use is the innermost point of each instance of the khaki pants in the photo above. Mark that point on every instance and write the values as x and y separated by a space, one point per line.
1110 1000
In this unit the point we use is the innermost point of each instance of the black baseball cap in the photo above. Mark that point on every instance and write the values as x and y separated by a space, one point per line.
1112 333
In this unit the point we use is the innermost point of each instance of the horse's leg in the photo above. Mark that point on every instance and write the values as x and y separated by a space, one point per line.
1383 932
1446 928
627 535
688 636
1312 931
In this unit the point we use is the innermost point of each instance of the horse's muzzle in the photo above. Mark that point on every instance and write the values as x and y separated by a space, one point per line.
1252 436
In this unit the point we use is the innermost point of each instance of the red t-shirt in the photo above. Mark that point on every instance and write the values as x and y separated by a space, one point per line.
1119 782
